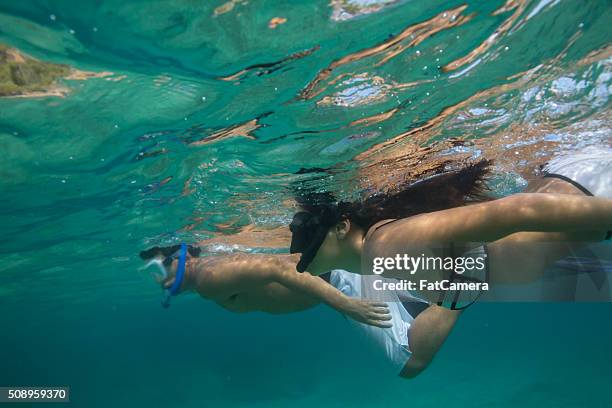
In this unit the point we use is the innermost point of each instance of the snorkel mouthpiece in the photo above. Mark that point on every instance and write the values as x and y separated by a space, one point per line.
162 269
163 274
163 257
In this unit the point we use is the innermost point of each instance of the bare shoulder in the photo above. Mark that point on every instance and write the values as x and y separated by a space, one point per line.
386 232
244 261
390 237
217 275
227 272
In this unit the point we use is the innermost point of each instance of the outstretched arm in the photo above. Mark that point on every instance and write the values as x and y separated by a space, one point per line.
496 219
221 276
546 212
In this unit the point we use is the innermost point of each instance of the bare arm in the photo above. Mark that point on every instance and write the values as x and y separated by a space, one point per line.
547 212
496 219
218 277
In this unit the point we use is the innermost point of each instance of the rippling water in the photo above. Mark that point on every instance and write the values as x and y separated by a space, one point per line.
199 129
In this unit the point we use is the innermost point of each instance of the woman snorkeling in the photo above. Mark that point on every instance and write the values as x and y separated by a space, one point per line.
449 217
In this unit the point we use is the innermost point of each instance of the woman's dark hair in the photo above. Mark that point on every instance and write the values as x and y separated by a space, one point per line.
439 192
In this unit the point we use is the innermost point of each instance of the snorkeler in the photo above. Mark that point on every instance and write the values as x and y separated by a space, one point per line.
254 282
408 330
448 216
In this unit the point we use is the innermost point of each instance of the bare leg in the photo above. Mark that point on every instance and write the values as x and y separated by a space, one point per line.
426 335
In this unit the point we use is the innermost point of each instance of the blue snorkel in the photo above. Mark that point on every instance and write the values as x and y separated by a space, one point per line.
178 279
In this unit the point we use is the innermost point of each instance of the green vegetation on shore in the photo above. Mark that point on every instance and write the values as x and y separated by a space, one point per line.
20 74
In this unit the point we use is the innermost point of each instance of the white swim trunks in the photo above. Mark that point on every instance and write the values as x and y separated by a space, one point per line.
393 340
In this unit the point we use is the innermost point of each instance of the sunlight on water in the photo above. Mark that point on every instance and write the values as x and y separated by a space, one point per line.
191 120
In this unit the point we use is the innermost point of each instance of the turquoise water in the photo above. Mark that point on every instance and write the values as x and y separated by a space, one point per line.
198 130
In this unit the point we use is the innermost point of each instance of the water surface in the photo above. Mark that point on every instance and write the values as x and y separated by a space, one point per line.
208 112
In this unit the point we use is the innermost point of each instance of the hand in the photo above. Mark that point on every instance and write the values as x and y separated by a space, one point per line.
372 313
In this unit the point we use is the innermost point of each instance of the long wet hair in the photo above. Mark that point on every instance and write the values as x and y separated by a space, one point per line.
449 189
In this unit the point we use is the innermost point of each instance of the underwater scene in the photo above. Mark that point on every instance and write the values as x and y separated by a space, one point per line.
129 125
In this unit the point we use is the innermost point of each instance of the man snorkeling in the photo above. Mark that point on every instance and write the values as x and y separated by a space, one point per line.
409 331
254 282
